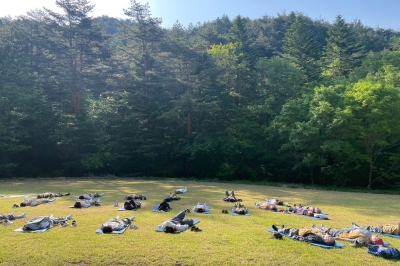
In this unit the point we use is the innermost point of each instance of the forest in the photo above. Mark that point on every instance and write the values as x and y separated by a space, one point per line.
279 99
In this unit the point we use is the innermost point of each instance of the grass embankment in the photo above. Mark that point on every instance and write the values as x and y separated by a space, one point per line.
225 239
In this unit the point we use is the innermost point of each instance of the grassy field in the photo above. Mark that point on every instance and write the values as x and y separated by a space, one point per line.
225 239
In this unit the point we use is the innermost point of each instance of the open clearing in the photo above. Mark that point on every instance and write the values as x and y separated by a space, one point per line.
225 239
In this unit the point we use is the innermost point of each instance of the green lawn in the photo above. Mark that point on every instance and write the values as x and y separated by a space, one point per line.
225 239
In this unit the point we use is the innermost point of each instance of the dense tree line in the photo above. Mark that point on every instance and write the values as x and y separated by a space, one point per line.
281 99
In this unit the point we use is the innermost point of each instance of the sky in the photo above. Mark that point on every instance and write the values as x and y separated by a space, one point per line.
372 13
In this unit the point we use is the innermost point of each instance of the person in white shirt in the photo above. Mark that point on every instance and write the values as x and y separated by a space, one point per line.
178 223
116 224
201 207
181 190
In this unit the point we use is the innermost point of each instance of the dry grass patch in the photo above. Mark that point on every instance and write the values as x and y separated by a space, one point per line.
225 240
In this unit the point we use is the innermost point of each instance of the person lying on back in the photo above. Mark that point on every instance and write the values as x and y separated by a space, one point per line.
51 195
240 209
172 197
90 196
35 201
178 223
200 207
310 235
116 224
136 197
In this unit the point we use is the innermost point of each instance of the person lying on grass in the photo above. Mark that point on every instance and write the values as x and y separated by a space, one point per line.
132 205
356 236
86 203
136 197
172 197
181 190
177 224
231 197
164 206
380 229
307 210
201 207
44 222
34 201
51 195
275 201
240 209
6 218
310 235
89 196
268 207
116 224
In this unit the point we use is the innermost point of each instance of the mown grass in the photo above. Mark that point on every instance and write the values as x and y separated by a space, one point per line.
225 239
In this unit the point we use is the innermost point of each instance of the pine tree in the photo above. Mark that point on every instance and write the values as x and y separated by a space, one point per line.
301 47
342 52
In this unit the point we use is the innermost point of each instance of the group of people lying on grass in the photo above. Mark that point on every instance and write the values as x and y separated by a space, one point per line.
41 198
238 208
356 235
300 210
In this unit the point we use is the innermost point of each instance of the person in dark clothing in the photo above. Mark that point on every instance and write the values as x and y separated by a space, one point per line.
132 205
136 197
164 206
172 197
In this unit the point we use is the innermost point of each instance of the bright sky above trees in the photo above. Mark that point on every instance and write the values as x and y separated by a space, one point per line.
383 13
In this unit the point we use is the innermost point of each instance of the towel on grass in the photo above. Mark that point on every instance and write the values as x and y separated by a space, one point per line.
21 230
337 245
394 236
123 209
99 231
159 229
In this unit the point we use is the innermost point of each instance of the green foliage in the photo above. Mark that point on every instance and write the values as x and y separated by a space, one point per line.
239 99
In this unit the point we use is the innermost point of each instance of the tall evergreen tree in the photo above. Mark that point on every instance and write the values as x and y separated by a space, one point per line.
342 52
301 47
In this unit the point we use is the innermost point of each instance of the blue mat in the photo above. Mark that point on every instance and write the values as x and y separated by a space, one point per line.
99 231
159 229
337 245
20 230
206 212
236 214
155 209
394 236
123 209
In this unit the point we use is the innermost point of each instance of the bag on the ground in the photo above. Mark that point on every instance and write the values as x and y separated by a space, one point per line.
387 253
